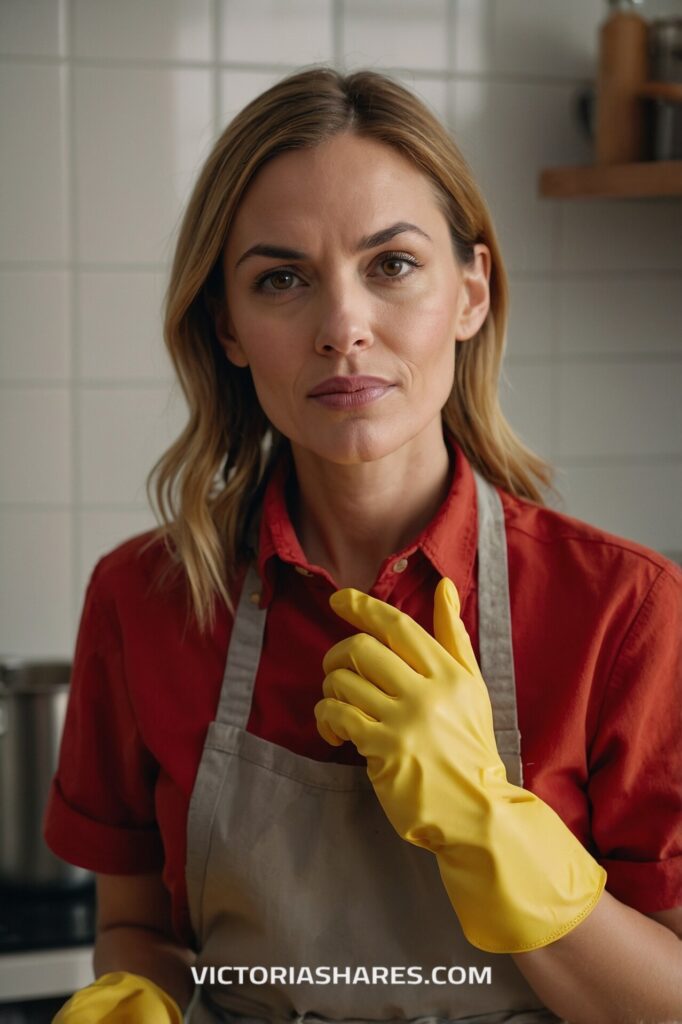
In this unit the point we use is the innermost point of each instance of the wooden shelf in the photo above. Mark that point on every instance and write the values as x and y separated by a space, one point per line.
617 181
669 92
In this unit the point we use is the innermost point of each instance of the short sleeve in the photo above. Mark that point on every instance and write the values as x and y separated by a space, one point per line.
635 783
100 808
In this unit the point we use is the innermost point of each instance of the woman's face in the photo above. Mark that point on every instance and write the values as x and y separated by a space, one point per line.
343 304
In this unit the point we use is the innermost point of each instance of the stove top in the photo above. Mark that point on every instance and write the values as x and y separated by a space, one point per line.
32 920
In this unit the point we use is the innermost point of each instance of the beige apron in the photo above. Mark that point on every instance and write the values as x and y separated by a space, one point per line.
292 862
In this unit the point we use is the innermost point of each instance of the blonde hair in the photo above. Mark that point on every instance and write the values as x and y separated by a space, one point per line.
204 487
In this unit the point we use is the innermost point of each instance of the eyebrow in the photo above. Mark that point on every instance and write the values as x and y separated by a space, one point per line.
368 242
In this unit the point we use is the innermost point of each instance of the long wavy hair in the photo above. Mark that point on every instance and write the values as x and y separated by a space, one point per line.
204 487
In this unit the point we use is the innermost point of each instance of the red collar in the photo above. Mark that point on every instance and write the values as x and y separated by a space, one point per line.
449 541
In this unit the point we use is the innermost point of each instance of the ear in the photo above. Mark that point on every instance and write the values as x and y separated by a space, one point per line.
227 338
476 292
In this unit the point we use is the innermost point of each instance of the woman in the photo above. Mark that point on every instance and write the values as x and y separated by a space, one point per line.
280 751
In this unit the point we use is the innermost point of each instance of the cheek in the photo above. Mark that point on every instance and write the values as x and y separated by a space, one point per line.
427 330
267 344
271 366
274 365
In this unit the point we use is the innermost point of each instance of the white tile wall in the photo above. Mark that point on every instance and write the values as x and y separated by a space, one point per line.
143 29
37 27
619 409
35 325
630 314
120 326
530 331
140 136
543 38
36 565
33 128
547 38
237 88
635 498
35 456
395 33
270 32
107 111
526 400
432 91
473 35
627 236
123 432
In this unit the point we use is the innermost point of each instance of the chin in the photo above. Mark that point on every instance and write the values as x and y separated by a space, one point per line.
354 441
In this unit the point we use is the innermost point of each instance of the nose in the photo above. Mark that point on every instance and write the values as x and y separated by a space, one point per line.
343 319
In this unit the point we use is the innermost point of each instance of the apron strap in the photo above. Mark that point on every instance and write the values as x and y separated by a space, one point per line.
243 654
494 626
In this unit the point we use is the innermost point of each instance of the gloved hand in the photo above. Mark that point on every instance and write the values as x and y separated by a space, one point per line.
120 998
418 709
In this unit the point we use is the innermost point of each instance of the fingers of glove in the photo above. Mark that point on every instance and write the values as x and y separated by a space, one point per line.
395 629
369 658
327 733
349 687
448 628
345 722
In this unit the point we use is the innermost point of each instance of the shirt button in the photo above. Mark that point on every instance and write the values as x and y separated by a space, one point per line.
254 598
400 565
302 571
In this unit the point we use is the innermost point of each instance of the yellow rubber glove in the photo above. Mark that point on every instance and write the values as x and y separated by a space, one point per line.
418 709
120 998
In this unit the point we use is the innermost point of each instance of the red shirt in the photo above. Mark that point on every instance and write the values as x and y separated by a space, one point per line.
596 627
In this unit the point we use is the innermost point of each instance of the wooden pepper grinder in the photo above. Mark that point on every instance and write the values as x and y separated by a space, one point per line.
623 70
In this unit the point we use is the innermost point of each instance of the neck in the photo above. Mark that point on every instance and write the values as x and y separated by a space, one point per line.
349 518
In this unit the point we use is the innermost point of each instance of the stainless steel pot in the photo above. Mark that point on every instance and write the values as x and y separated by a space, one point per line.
33 699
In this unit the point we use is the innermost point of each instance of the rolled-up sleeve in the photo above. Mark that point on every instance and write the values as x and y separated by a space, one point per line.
100 808
635 785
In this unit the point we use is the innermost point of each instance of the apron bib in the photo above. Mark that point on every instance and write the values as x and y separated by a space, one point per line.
291 862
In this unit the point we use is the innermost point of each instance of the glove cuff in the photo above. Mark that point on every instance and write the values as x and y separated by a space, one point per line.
528 882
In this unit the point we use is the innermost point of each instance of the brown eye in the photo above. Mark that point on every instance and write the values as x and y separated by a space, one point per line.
278 276
393 263
269 284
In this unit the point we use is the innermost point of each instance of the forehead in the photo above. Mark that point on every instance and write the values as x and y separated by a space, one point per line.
346 181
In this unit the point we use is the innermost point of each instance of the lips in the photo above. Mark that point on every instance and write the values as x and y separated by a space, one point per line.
345 385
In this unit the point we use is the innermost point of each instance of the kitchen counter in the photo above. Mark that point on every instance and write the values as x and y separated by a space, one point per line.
46 942
45 972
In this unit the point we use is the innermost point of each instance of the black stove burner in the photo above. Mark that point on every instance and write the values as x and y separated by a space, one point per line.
32 920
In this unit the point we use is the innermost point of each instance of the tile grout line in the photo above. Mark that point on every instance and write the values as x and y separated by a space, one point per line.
158 64
74 318
337 34
451 57
217 27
